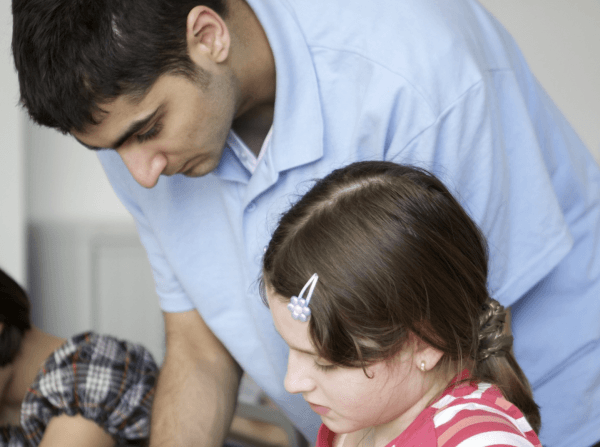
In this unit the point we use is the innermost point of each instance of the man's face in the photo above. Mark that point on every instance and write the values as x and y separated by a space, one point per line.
177 128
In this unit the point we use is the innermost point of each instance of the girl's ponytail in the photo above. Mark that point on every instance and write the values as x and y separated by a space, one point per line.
495 362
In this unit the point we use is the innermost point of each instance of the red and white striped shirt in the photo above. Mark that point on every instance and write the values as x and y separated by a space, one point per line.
465 415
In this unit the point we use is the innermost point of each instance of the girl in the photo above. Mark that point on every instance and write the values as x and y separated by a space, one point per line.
376 279
88 390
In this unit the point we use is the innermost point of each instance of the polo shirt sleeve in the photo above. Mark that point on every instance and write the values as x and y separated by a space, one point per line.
485 147
134 197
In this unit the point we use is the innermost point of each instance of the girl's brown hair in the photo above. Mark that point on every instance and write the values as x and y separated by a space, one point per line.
395 253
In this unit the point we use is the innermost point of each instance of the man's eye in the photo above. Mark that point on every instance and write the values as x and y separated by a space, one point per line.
150 134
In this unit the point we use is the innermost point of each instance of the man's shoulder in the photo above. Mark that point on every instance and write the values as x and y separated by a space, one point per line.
393 30
439 50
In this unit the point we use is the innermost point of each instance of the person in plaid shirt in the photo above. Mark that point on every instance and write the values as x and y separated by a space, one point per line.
89 389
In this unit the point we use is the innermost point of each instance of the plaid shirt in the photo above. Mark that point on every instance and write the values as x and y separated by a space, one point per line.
106 380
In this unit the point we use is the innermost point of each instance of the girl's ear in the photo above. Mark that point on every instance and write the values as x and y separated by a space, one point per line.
207 36
425 357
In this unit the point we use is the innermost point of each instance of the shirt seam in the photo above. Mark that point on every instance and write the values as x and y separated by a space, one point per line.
437 117
401 75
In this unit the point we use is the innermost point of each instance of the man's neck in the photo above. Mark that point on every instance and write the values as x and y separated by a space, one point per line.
254 126
253 64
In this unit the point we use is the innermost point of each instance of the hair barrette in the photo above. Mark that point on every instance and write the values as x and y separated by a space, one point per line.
298 305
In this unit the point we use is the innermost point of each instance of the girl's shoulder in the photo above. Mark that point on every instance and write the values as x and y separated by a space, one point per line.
100 377
479 413
90 348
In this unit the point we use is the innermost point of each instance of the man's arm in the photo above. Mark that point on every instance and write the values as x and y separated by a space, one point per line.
197 387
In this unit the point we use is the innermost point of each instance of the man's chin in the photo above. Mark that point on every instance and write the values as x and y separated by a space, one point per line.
202 167
200 170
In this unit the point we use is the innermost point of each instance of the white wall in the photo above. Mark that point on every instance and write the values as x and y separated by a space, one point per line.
12 184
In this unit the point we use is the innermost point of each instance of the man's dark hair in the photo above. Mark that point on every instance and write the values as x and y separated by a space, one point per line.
74 55
14 314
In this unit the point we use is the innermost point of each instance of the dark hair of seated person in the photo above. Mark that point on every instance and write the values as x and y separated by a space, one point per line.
14 316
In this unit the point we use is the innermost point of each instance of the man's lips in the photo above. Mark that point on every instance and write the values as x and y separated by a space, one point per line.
319 409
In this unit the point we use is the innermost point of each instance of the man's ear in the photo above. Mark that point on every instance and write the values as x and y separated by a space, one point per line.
207 35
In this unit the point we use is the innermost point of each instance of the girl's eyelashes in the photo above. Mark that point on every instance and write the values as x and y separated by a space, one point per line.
153 132
324 367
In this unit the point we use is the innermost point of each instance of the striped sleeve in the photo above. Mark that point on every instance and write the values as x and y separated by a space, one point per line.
481 418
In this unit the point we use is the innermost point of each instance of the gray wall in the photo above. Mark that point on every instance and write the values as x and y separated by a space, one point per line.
12 181
561 41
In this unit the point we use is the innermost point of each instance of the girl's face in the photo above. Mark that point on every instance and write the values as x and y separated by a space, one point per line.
345 398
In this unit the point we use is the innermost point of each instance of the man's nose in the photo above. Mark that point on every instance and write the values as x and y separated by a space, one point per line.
297 378
144 164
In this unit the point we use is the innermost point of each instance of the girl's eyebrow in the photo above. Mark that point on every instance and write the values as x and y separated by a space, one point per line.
314 354
295 348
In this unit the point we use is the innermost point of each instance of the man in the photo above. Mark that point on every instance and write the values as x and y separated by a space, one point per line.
218 113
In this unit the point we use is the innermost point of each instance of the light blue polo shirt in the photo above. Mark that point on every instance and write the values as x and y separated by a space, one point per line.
437 84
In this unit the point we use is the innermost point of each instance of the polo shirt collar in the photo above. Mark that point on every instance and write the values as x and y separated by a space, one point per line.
297 137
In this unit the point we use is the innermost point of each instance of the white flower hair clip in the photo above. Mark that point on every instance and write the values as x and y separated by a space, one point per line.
298 305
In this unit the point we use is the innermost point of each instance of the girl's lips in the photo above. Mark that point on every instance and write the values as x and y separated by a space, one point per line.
322 411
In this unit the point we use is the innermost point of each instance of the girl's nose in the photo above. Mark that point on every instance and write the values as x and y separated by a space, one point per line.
298 378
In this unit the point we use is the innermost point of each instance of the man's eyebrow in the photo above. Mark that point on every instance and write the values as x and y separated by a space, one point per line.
133 128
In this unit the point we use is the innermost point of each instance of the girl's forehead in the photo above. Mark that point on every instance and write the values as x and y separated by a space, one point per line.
273 297
294 332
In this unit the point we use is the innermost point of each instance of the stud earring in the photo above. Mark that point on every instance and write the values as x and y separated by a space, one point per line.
423 366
